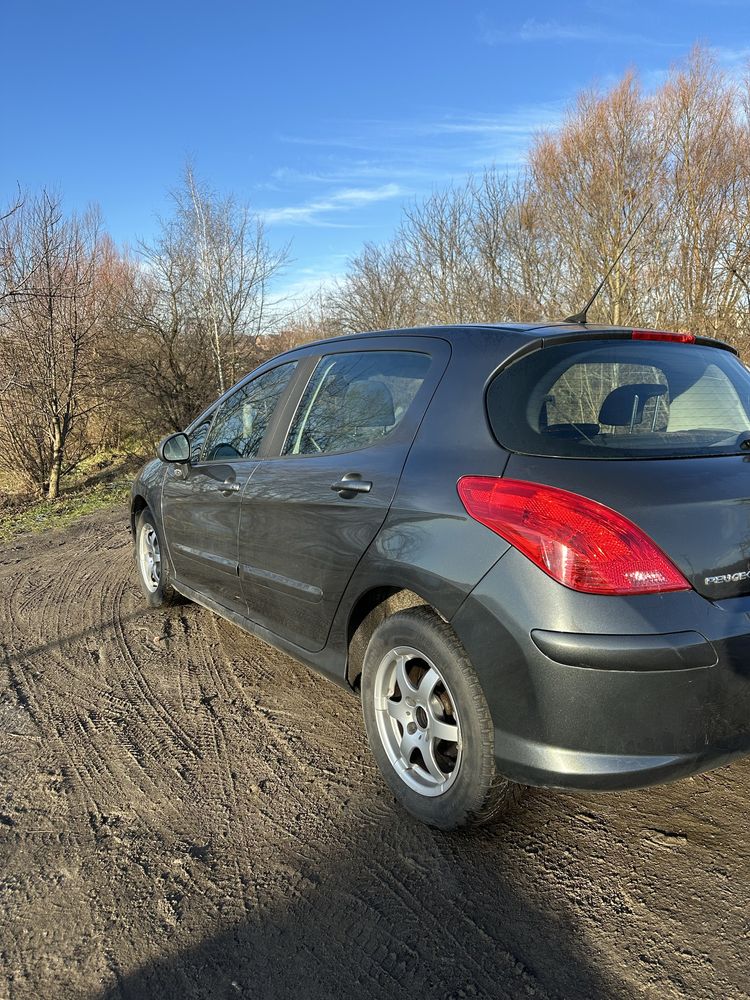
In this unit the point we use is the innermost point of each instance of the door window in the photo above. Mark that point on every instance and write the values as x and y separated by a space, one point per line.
353 400
243 419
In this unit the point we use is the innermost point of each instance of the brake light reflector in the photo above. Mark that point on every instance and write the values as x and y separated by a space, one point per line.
679 338
578 542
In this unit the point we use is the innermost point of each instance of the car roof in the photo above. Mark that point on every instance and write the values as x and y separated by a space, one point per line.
461 331
457 332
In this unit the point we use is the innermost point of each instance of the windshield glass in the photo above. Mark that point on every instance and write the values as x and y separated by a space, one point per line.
622 399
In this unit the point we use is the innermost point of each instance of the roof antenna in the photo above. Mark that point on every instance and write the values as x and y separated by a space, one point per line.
580 317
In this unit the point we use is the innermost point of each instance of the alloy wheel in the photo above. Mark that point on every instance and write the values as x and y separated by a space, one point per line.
417 721
149 557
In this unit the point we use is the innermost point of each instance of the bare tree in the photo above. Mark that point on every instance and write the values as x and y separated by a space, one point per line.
232 266
594 178
378 293
47 340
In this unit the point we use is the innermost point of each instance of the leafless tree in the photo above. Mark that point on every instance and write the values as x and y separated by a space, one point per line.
231 265
378 292
48 337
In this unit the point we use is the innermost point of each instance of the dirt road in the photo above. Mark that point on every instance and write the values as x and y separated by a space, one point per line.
186 813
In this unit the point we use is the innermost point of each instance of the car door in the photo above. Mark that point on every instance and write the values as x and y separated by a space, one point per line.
309 514
201 501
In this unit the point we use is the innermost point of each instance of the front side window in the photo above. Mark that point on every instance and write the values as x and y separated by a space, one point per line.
354 400
243 419
622 399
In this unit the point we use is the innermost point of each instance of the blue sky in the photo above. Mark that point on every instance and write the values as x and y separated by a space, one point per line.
326 116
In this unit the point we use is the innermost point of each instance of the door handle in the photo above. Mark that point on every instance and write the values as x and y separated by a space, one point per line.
350 486
228 487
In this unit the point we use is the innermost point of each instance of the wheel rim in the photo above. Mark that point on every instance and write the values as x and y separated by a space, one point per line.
417 721
149 557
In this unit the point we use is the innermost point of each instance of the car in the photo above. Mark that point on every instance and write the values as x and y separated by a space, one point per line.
526 547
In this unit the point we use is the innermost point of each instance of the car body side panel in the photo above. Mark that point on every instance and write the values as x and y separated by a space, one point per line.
325 661
146 487
300 541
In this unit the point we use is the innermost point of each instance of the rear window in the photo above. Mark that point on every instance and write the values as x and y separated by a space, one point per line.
622 399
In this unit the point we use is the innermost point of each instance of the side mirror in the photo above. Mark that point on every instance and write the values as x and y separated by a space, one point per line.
174 448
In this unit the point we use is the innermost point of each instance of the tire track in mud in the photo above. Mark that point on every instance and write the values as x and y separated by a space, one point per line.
187 813
142 693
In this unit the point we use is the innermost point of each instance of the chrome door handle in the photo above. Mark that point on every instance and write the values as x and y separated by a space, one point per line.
351 486
226 488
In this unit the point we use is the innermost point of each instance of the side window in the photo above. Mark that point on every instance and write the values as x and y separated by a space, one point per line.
197 438
353 400
243 419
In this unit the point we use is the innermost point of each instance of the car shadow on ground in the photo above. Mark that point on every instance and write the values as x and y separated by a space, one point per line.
410 912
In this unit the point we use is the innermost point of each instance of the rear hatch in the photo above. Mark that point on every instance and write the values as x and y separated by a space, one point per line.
658 430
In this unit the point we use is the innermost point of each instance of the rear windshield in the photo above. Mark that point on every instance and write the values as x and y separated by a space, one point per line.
622 399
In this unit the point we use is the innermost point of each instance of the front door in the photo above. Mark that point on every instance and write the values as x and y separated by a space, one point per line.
309 515
201 501
201 511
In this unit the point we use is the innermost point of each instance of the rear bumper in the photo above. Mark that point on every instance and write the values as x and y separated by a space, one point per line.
539 764
606 693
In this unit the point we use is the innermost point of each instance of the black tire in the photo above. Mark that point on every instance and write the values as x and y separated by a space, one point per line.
476 794
163 593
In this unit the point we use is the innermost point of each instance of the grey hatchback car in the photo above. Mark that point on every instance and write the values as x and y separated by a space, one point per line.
526 547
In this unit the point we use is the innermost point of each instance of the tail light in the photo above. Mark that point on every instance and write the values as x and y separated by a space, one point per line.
578 542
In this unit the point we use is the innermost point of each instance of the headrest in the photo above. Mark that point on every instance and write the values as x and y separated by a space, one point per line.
369 404
617 408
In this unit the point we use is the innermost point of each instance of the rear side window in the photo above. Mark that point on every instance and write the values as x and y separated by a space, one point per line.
353 400
622 399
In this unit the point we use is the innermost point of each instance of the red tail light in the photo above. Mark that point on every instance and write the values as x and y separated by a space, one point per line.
679 338
578 542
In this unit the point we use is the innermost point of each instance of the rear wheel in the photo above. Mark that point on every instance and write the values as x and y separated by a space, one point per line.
149 561
428 723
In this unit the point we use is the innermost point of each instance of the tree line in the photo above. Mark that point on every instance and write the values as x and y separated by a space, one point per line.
536 243
97 343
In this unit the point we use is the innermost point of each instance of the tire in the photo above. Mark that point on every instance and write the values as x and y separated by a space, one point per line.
152 575
448 780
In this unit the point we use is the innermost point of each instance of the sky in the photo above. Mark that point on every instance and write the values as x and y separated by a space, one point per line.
326 117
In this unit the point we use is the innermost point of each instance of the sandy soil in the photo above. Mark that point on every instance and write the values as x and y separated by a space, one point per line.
186 813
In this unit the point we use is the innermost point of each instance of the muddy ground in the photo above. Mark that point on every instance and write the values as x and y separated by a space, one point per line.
185 813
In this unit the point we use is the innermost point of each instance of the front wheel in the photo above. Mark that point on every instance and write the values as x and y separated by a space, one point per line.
428 723
150 562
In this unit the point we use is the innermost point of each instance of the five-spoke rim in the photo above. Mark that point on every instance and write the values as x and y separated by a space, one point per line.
150 557
417 721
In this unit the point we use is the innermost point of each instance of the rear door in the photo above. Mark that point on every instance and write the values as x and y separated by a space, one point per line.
309 514
201 501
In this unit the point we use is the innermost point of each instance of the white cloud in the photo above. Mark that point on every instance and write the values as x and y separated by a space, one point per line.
318 212
310 281
731 57
533 30
415 156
